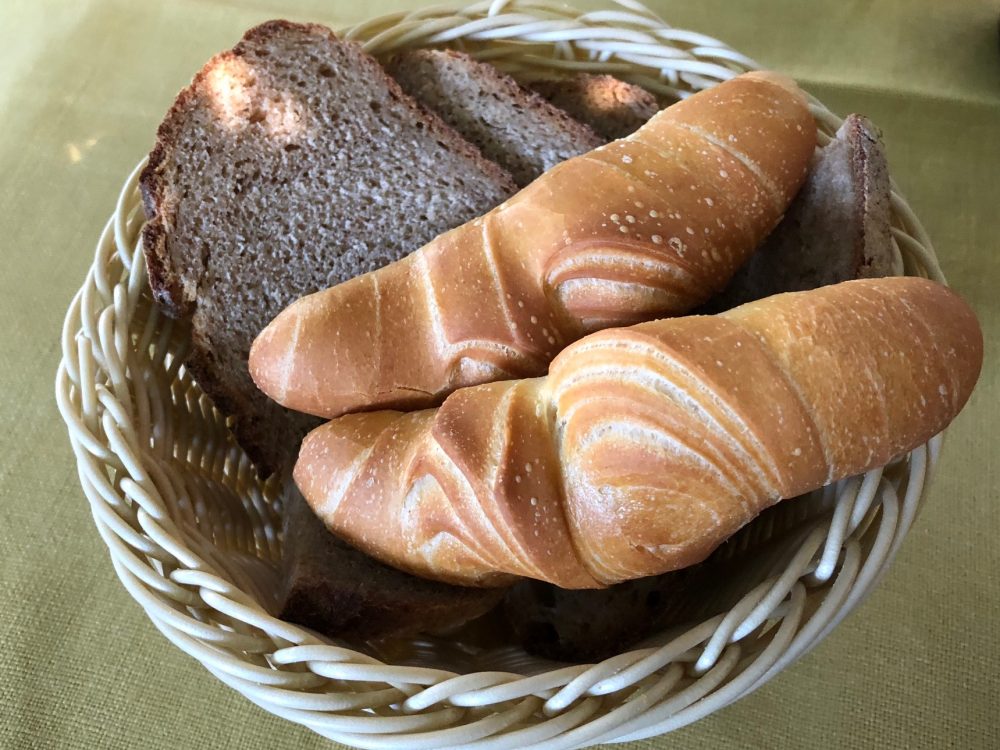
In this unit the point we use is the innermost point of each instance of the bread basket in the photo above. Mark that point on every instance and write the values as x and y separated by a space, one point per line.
194 535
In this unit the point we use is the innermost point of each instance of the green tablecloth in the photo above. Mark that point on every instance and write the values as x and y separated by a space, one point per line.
82 88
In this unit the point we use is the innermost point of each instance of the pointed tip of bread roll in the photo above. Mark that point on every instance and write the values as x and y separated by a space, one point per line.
957 324
777 79
270 362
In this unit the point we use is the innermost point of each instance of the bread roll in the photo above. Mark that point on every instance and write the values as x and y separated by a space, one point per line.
648 226
646 447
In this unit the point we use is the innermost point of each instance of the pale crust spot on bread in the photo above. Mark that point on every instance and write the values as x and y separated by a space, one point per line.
766 182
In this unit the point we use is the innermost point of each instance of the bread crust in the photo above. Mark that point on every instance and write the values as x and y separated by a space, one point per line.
874 256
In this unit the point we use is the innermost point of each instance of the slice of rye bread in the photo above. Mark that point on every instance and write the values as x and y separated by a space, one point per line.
291 163
340 592
586 625
836 229
612 108
511 125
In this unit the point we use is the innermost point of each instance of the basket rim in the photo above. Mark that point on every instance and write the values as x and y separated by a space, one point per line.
209 603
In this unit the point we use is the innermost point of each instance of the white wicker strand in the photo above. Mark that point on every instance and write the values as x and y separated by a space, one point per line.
219 662
757 606
738 685
167 536
582 684
124 240
204 632
541 733
649 662
82 435
88 397
540 685
309 654
343 670
876 559
313 701
447 689
106 515
777 591
103 283
370 726
833 600
71 341
144 497
192 533
461 736
855 500
321 652
635 705
253 616
920 468
622 17
880 555
142 569
866 498
135 363
690 694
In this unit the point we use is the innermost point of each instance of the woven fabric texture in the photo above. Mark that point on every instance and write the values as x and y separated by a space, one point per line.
82 88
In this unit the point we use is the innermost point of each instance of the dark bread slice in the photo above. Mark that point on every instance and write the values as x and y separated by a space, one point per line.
590 625
340 592
582 625
511 125
612 108
836 229
291 163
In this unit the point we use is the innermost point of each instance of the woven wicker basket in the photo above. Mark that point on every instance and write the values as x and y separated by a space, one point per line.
194 535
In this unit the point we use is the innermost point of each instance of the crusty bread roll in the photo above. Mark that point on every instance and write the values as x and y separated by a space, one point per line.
648 226
646 447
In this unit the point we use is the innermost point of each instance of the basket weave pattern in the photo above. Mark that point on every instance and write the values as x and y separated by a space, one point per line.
194 535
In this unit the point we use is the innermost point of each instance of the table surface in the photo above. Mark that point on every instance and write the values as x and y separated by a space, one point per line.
82 88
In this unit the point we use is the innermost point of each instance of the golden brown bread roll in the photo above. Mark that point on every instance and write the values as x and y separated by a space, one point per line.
646 447
648 226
